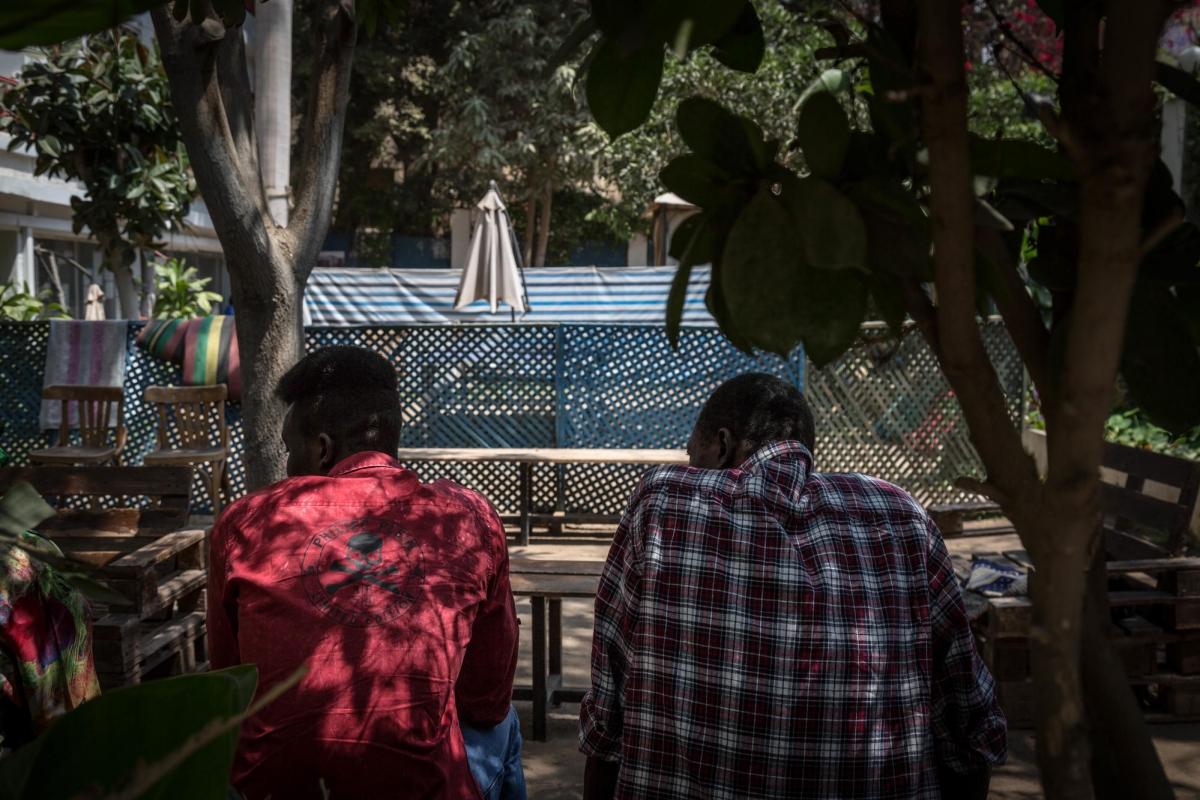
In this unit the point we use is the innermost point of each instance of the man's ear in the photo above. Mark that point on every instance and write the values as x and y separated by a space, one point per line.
326 457
727 449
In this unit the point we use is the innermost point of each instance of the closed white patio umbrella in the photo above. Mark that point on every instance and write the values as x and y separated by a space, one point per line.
493 270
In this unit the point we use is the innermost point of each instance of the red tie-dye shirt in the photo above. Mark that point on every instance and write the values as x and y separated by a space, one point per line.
396 595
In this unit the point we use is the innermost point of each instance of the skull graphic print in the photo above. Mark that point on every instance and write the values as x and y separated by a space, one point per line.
362 572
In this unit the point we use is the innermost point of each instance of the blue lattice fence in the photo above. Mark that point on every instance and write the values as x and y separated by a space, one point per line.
883 408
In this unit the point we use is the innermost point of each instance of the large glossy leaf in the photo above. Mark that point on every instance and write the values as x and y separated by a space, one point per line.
742 47
898 235
833 314
722 137
703 23
774 298
831 228
761 274
1160 362
1018 158
696 180
691 244
622 85
97 748
44 22
824 134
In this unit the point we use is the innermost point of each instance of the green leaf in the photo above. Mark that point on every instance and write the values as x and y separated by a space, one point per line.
99 747
898 234
832 229
696 180
760 275
621 86
708 22
49 145
742 47
722 137
834 313
693 243
1159 361
777 301
824 134
831 81
1018 158
22 509
43 23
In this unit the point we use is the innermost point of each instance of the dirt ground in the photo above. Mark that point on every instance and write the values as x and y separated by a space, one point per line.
554 768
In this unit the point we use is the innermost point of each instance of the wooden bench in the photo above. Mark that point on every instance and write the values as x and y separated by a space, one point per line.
1137 523
144 553
546 583
527 458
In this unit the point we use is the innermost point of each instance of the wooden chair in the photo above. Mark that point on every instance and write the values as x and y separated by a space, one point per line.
195 410
96 405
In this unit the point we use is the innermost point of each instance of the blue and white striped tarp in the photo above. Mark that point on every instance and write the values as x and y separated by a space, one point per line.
556 294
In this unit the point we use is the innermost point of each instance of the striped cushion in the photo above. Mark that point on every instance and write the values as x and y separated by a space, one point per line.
206 348
163 338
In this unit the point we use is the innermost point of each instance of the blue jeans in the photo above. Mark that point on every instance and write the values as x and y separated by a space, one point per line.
494 755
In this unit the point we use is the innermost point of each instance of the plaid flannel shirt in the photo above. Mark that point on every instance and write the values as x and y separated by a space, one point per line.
769 631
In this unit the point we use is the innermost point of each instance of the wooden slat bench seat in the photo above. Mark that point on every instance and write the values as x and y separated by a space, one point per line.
546 583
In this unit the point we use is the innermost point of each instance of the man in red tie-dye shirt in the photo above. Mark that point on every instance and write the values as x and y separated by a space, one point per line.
395 593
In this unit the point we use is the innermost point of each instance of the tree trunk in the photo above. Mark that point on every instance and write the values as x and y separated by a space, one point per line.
543 234
268 263
270 341
126 290
56 286
1058 587
530 224
1124 761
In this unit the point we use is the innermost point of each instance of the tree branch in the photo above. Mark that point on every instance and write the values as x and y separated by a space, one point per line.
1108 104
238 99
1021 315
228 179
963 356
321 139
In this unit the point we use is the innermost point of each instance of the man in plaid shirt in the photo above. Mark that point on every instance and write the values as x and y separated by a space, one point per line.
763 630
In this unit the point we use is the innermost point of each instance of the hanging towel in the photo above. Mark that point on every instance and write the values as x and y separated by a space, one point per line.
82 354
206 349
93 306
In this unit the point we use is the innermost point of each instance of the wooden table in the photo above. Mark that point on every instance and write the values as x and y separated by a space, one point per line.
526 458
547 582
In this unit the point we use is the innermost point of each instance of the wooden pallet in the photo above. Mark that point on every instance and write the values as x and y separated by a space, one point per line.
142 554
1156 632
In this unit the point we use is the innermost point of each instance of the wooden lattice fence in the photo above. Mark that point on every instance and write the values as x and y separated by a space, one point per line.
883 408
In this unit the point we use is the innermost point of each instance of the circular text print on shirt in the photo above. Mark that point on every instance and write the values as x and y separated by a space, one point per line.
363 572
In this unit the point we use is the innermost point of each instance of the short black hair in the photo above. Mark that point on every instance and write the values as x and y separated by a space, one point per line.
759 409
349 393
